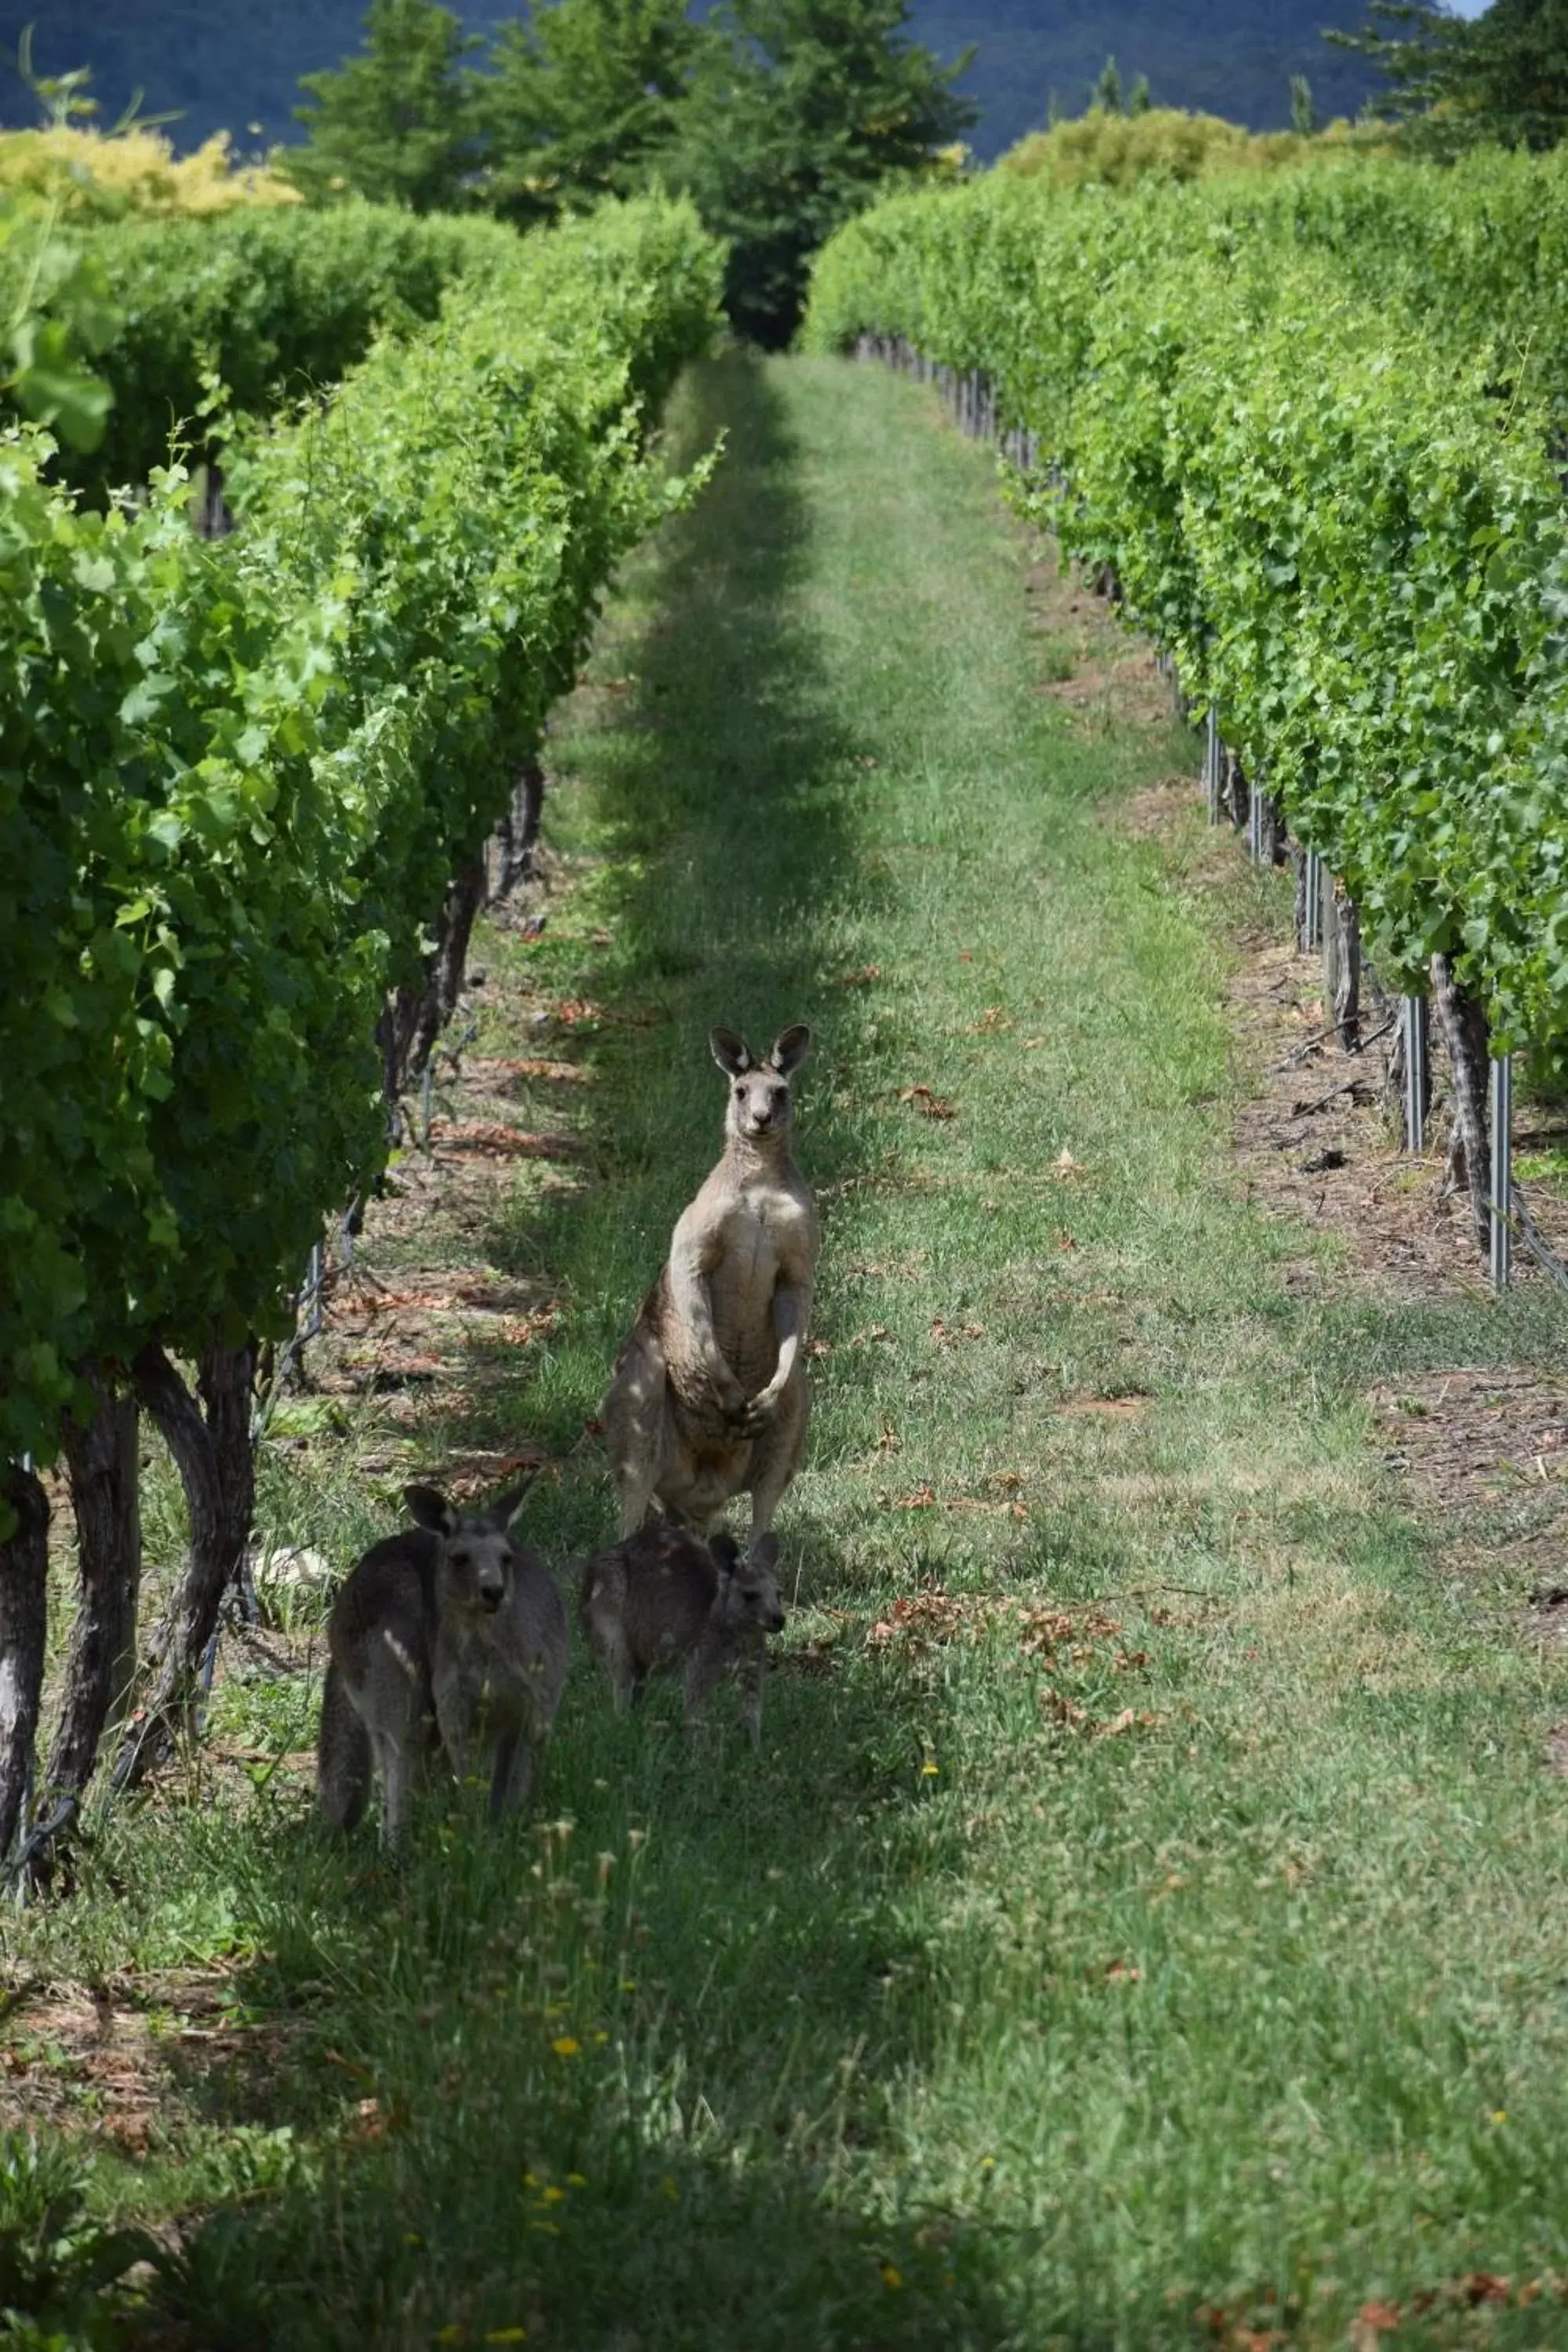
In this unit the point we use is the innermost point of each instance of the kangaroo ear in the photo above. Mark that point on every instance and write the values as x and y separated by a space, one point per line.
764 1553
791 1049
732 1053
432 1510
500 1515
726 1553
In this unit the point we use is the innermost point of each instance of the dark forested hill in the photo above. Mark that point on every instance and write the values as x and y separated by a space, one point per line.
230 64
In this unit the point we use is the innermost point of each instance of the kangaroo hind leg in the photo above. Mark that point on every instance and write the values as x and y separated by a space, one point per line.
776 1456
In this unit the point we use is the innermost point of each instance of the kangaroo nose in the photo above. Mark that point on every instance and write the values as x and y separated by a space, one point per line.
490 1595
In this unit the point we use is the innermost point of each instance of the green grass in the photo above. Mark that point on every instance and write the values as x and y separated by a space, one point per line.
1149 1903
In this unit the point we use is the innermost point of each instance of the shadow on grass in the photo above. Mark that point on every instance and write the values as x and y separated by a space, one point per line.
632 2085
709 778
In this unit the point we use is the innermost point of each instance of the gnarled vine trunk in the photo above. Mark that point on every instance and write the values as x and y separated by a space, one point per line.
516 836
414 1018
102 1663
1463 1023
210 1441
24 1589
1342 965
1234 792
1273 834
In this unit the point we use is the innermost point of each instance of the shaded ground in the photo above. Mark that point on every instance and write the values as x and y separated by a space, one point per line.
118 2058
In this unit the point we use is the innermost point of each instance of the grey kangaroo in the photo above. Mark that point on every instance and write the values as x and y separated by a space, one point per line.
708 1398
443 1635
664 1597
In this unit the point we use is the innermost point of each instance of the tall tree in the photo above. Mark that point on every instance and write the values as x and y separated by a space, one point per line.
584 99
396 122
1457 82
798 111
1107 91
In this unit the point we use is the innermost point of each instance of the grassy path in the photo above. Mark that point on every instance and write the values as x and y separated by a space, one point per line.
1145 1923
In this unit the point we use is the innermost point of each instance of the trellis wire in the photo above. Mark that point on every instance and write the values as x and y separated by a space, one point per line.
1535 1242
308 1324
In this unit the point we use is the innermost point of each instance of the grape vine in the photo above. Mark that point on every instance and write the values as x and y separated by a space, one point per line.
239 774
1305 421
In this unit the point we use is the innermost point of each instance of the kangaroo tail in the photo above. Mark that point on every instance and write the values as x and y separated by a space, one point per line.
342 1757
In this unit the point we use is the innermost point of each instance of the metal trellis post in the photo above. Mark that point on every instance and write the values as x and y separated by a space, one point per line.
1312 903
1412 1033
1502 1169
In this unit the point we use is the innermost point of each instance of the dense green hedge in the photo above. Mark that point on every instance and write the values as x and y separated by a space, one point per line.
1475 256
1344 524
272 302
236 776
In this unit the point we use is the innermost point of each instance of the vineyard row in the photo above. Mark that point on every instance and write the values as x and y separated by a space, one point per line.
1348 536
240 776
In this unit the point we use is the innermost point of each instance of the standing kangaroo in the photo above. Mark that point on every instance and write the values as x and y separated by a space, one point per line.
444 1633
708 1398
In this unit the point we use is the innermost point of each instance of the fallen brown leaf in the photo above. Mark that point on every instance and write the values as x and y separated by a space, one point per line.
945 1339
928 1105
526 1065
494 1141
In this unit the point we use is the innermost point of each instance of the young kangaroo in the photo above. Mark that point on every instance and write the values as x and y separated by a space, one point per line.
708 1397
443 1634
664 1596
